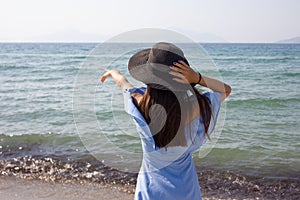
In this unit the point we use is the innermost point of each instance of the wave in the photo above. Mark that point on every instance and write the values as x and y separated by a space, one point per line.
31 138
44 55
254 161
255 58
290 74
271 102
57 144
13 66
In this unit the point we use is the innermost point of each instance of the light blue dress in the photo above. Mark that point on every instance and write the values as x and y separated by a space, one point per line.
169 173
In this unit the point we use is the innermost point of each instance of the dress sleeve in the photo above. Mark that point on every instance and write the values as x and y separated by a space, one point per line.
140 122
128 103
215 100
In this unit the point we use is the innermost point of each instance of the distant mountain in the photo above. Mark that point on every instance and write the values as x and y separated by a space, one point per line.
202 37
206 37
69 35
291 40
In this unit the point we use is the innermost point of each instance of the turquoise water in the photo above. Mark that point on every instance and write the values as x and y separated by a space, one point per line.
260 136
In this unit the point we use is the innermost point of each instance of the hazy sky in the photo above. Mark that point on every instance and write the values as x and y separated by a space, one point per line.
90 20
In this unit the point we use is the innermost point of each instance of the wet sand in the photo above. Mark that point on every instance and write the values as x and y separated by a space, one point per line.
12 188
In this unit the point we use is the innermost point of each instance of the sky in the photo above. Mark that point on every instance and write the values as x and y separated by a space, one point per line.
97 20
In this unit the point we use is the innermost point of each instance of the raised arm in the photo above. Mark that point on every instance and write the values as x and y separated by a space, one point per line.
216 85
185 74
119 79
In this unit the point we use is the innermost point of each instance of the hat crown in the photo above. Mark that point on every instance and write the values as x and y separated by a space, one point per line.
165 53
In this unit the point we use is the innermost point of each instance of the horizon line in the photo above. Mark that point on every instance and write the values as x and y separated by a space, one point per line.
95 42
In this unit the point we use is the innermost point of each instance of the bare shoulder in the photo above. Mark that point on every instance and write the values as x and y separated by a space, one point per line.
195 111
137 97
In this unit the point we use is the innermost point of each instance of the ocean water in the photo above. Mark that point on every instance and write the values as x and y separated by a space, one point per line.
260 135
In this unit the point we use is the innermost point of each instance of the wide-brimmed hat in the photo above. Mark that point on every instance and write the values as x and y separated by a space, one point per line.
152 66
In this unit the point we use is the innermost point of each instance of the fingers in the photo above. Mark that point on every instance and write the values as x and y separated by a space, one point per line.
180 78
183 72
105 75
103 78
184 63
181 64
181 67
177 69
176 74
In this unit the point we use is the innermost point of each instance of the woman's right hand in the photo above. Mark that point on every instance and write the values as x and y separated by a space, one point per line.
183 73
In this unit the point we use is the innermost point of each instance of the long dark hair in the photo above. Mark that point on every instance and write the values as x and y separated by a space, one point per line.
165 124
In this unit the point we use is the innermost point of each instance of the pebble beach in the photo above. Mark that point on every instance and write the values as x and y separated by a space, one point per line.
47 178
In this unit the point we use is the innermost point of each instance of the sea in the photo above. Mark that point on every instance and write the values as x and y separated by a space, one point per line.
43 118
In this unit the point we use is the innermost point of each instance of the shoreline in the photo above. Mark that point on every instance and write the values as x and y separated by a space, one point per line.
97 179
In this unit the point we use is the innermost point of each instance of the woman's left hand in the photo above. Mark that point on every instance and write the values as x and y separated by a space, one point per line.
183 73
119 79
115 74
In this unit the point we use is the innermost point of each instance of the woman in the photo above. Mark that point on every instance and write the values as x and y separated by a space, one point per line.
172 117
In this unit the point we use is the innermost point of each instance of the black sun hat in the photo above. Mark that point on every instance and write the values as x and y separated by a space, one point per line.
151 66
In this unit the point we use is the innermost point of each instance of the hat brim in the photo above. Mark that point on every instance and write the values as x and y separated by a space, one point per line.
139 58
